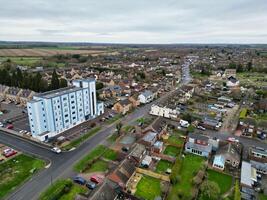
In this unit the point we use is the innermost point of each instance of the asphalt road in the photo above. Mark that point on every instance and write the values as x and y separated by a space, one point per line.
61 164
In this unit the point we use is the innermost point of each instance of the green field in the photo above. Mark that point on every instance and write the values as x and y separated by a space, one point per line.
63 189
252 79
162 166
148 188
17 170
81 139
25 61
224 181
172 151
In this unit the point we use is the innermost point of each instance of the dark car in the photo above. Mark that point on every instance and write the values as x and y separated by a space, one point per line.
90 185
79 180
125 149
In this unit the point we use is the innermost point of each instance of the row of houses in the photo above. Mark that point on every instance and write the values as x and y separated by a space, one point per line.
16 95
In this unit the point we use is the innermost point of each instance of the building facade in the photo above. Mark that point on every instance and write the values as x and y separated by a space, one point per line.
54 112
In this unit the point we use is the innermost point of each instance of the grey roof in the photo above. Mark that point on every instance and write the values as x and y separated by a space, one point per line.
198 137
246 174
58 92
259 165
150 136
138 150
230 150
147 93
202 148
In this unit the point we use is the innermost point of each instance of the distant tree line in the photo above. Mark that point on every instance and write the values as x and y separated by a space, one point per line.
35 82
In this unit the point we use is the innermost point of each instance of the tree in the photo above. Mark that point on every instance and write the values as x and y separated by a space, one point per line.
99 85
54 81
118 127
209 190
63 83
19 77
237 191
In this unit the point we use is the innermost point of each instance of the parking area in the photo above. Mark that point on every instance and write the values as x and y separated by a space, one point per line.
15 115
6 153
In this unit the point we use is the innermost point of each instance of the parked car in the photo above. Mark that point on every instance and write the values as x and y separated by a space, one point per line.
9 152
232 139
125 149
90 185
201 128
79 180
95 179
9 126
1 124
56 150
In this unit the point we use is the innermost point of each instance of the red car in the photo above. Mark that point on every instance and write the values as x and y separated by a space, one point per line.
9 126
9 152
95 179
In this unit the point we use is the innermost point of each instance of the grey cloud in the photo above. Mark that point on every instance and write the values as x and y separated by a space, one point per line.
137 21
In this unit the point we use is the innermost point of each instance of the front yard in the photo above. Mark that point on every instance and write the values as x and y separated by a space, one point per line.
148 188
17 170
92 162
62 190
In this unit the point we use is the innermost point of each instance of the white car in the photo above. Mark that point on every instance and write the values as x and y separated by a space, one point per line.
1 124
232 139
56 150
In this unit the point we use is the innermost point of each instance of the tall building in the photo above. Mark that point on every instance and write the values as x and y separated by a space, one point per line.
56 111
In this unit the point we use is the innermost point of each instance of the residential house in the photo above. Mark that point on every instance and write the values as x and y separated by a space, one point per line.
260 167
227 154
232 82
122 173
158 147
248 175
258 154
146 97
198 144
134 100
123 106
229 72
150 138
138 152
164 111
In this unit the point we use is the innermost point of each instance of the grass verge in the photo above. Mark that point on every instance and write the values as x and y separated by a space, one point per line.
16 171
79 140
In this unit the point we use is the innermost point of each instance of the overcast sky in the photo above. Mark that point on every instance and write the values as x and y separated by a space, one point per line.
134 21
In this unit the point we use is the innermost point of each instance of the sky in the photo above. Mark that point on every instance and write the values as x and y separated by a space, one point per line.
134 21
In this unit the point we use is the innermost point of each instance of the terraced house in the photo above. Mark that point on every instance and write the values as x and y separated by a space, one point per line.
54 112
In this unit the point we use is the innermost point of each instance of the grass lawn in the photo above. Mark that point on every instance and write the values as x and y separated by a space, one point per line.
262 196
190 165
224 181
98 166
96 152
172 151
110 154
175 139
148 188
56 190
127 128
79 140
162 166
114 119
17 170
113 137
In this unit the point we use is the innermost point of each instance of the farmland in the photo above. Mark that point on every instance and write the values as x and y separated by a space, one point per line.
42 52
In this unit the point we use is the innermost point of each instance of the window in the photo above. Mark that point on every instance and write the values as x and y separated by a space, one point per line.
66 115
64 99
74 118
72 102
72 96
